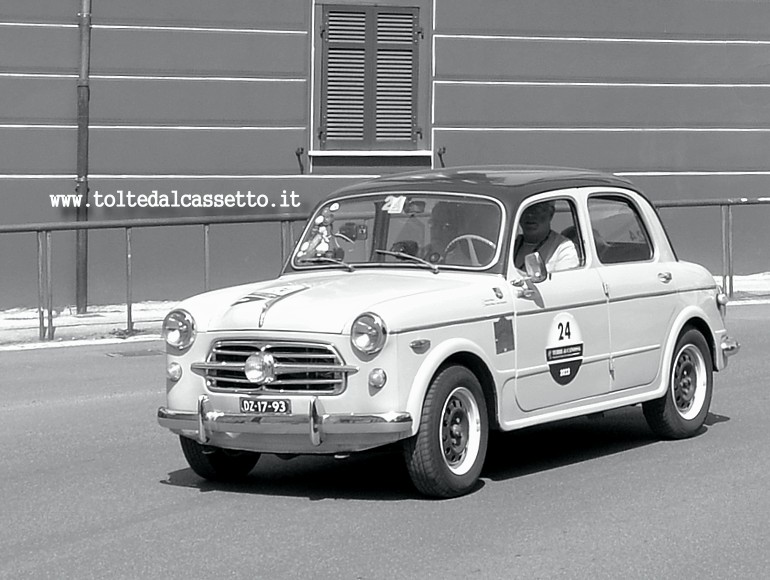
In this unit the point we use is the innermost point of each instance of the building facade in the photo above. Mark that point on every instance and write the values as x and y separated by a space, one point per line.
281 97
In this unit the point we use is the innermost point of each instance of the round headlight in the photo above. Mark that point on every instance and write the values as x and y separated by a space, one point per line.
179 329
368 334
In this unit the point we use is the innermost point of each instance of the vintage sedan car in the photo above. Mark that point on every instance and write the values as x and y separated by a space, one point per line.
401 317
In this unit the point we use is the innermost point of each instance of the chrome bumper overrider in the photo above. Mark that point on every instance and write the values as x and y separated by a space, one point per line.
313 423
730 346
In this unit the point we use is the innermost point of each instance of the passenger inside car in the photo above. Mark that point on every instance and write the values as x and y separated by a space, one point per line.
444 222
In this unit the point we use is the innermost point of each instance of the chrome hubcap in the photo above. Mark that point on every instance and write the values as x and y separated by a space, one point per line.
689 382
684 387
460 431
454 431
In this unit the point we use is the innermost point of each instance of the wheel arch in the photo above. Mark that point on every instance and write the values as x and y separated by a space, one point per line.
687 319
460 352
481 371
699 324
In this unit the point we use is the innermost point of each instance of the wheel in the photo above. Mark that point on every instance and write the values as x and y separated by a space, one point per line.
217 464
445 458
682 411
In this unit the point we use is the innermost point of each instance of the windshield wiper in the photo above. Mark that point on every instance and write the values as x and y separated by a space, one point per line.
405 256
324 259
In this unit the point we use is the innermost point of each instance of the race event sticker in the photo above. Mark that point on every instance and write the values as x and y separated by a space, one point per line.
564 349
394 203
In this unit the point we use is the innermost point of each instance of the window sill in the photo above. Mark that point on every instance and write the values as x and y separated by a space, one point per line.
371 153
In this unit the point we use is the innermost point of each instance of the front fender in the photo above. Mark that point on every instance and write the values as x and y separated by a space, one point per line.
428 368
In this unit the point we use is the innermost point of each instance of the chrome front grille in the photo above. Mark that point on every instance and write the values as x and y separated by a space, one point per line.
299 367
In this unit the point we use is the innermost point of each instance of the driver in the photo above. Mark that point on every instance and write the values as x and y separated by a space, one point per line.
558 252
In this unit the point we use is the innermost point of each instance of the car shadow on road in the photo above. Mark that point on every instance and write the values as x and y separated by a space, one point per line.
541 448
380 475
377 475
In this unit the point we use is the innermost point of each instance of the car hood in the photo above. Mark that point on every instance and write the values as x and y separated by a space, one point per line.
328 303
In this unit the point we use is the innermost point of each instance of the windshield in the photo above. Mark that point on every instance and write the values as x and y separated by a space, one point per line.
415 230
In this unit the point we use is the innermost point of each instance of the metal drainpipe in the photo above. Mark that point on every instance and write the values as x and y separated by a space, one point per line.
81 187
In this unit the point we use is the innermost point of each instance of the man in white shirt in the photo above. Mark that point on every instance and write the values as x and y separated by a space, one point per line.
557 251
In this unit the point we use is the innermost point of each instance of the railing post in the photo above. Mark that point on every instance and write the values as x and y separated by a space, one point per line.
41 284
730 268
83 99
206 257
727 249
49 284
129 301
724 247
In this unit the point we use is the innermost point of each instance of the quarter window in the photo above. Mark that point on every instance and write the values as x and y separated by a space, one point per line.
619 232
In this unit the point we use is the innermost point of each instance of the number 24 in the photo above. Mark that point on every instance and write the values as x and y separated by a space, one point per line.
564 331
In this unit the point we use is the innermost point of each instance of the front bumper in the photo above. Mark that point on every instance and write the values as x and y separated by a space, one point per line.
313 431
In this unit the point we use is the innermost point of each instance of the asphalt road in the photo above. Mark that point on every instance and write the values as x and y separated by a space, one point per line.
92 487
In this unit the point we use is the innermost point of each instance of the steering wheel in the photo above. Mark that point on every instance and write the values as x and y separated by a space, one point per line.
470 238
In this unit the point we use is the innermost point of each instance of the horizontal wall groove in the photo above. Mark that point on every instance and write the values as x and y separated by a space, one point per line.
219 30
199 127
128 77
207 78
688 173
305 176
22 176
603 39
630 84
155 127
37 25
199 29
555 129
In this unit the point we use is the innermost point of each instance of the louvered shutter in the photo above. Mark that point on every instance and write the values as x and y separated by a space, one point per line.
369 78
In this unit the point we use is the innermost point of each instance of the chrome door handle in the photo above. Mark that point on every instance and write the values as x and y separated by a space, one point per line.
665 277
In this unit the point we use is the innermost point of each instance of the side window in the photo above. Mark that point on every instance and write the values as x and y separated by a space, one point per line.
619 231
552 229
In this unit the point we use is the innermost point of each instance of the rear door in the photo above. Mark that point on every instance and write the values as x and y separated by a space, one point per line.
639 283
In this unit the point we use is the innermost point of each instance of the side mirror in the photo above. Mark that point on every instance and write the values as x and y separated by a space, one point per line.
535 267
536 273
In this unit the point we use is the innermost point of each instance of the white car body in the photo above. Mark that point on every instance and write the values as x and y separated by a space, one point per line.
623 321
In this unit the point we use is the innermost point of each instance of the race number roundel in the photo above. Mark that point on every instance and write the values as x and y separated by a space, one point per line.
564 349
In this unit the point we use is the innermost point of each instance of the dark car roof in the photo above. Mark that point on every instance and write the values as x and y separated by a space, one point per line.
508 183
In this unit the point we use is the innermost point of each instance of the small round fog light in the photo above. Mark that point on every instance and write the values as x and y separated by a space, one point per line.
260 368
377 378
174 371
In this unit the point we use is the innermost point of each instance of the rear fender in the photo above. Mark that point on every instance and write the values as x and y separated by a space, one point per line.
690 316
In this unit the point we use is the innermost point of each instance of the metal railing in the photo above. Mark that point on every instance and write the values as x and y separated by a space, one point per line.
44 270
726 206
44 231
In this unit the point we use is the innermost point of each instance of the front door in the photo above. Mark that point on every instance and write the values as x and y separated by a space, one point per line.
562 340
561 325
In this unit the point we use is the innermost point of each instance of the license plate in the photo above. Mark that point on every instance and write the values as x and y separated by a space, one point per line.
266 406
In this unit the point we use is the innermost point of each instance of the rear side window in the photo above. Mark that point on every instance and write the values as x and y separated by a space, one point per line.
619 232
